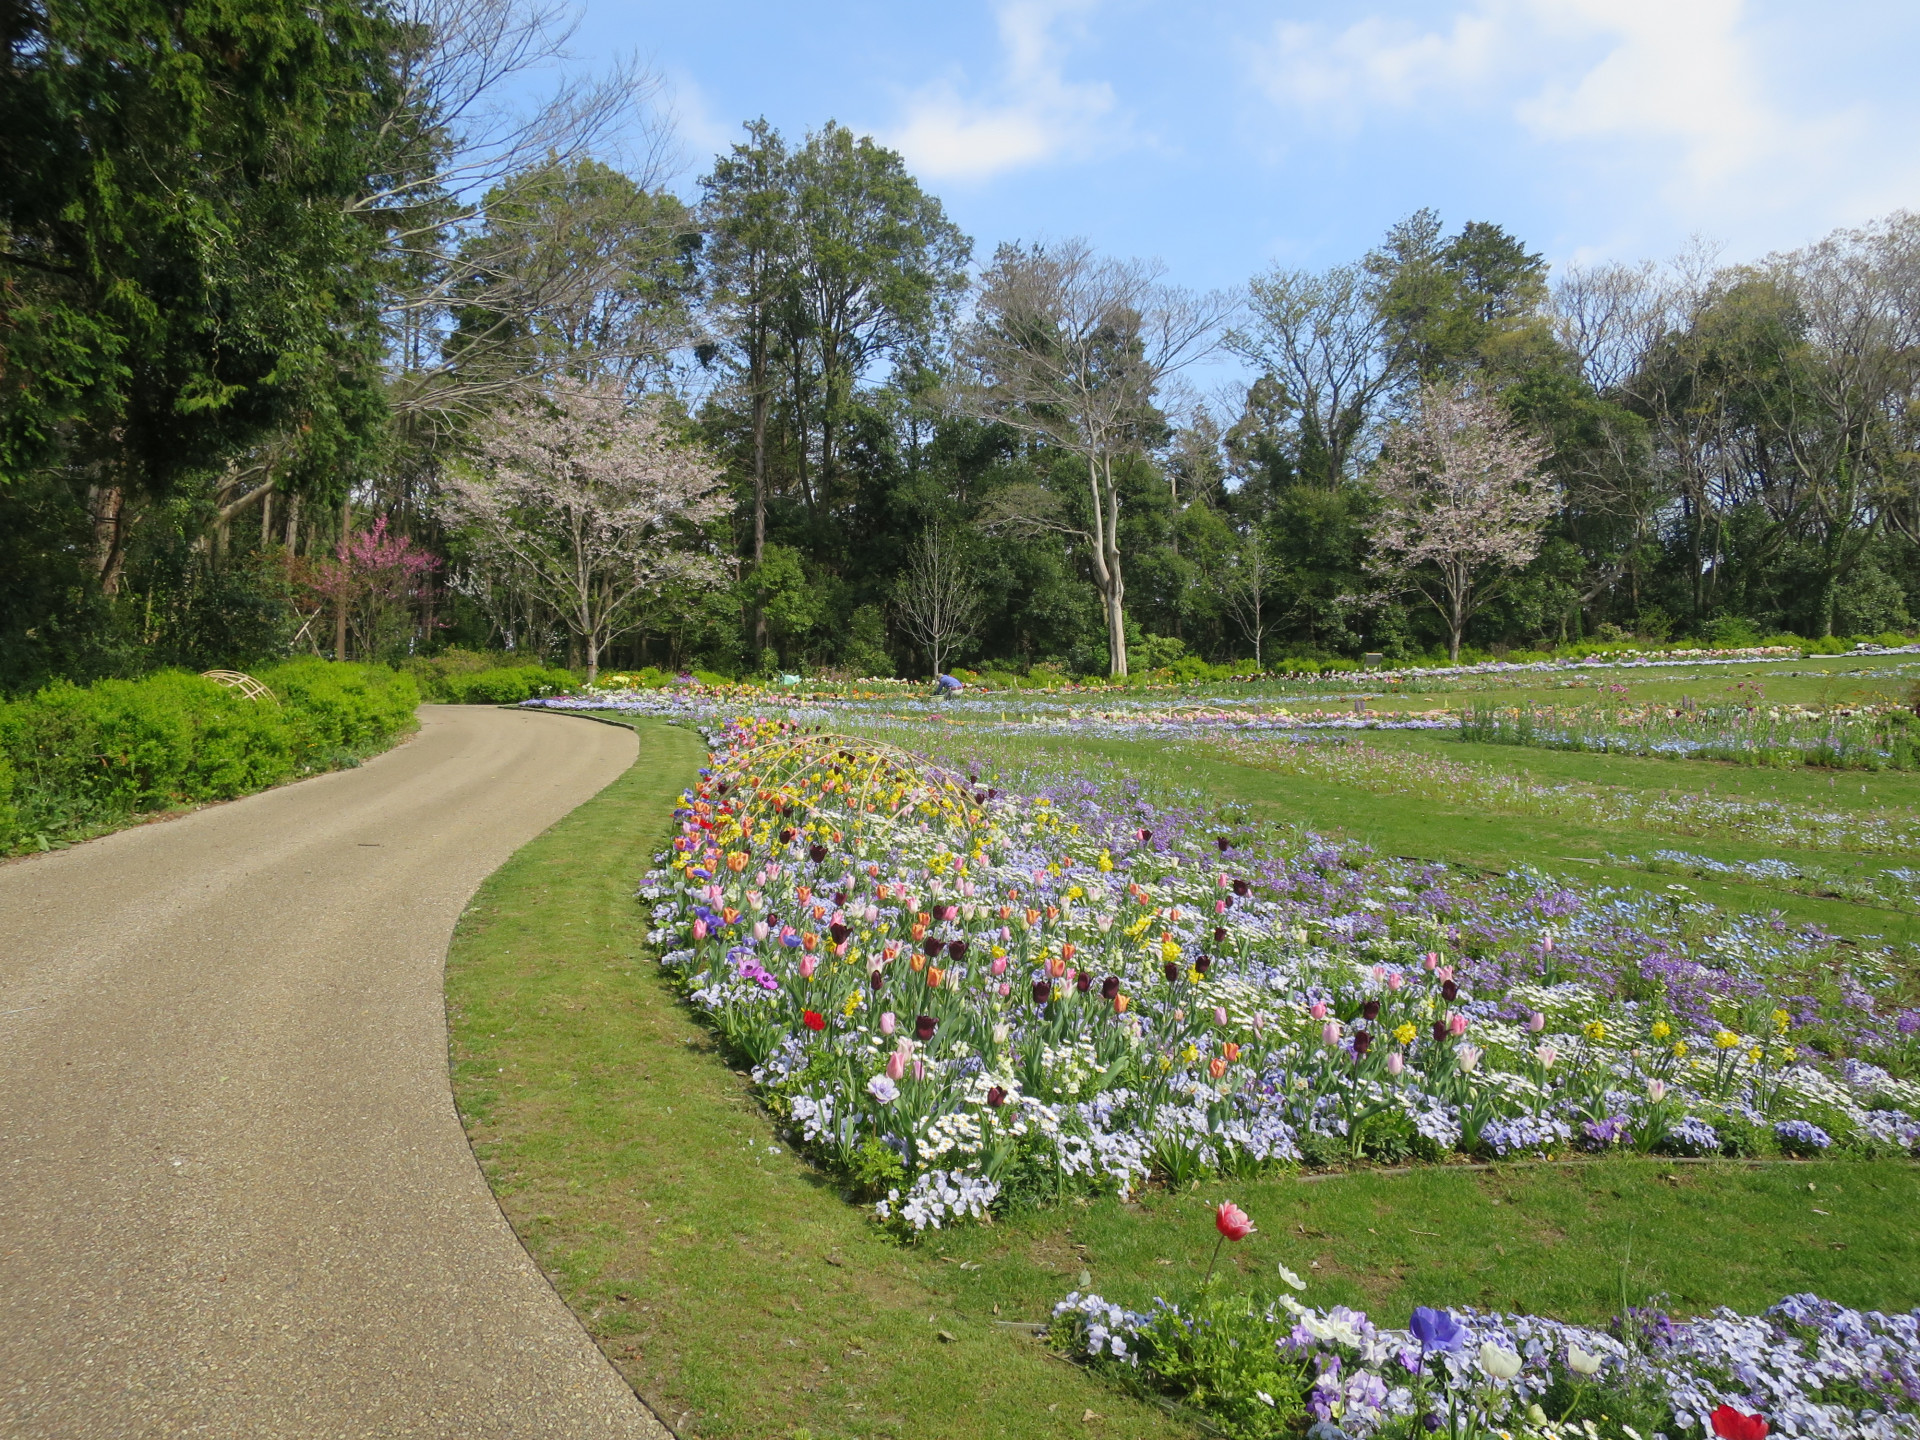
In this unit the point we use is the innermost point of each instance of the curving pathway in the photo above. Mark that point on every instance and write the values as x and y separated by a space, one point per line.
235 1199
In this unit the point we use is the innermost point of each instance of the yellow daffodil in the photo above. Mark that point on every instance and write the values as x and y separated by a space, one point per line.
1596 1030
1403 1033
1661 1030
1726 1040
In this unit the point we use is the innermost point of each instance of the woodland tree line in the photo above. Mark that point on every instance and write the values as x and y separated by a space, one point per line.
310 340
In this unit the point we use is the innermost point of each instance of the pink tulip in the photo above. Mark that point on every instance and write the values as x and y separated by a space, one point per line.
1006 988
887 1023
1221 880
1546 942
808 964
760 931
1006 935
872 914
699 929
1431 960
1219 907
999 965
1330 1032
1379 972
919 1068
1318 1010
950 913
1546 1055
1232 1222
1456 1025
896 1066
1536 1022
1394 982
1395 1064
1219 1014
1445 972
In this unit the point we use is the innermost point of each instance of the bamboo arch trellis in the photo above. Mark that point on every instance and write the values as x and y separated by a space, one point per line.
245 684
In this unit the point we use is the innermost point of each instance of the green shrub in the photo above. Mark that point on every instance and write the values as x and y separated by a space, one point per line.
74 758
338 712
506 685
119 747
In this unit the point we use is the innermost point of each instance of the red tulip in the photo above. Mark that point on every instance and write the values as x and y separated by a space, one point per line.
1730 1424
1234 1223
813 1019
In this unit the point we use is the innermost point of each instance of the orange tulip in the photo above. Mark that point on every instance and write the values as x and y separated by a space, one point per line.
1056 967
1120 1003
1067 952
1216 1067
935 975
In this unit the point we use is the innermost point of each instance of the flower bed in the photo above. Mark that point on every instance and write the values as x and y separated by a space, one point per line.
1850 737
1806 1367
961 999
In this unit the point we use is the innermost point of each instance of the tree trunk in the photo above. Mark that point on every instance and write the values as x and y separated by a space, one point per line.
759 381
340 600
107 507
593 658
293 524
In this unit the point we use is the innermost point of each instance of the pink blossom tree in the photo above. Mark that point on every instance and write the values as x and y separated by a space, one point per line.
1464 502
376 579
591 503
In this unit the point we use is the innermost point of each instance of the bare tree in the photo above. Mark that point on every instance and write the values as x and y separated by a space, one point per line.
1464 501
461 151
1244 587
1610 316
938 603
1326 340
1071 348
590 503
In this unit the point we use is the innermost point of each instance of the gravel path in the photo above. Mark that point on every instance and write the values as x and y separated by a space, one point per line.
235 1199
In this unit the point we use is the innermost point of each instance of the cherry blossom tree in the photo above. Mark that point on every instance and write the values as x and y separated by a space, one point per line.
590 502
1464 502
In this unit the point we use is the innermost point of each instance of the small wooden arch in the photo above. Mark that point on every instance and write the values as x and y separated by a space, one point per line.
245 684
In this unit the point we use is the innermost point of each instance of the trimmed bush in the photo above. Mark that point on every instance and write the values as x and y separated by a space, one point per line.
76 759
506 685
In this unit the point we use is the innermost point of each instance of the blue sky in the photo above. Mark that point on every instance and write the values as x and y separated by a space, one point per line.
1226 138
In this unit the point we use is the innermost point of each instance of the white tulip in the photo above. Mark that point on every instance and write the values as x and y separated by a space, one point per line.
1500 1364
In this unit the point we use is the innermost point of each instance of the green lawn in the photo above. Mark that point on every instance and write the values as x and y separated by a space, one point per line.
743 1296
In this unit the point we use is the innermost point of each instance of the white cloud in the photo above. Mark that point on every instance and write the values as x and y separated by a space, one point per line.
1032 114
1677 90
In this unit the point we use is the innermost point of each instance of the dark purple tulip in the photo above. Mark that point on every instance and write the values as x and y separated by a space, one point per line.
839 897
1171 971
1219 934
1242 889
931 945
996 1097
818 852
1083 982
1370 1010
786 837
923 1028
1203 963
1109 987
1362 1042
1042 992
839 932
1449 990
957 949
1223 843
1439 1032
876 979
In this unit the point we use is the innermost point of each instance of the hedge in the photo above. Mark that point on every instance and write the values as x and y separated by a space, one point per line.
506 685
76 760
